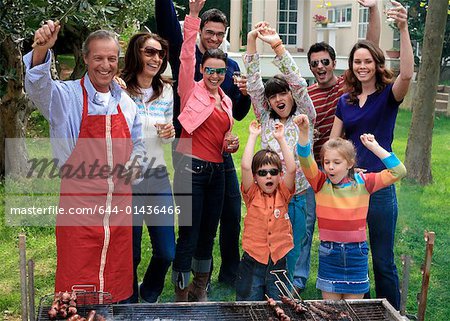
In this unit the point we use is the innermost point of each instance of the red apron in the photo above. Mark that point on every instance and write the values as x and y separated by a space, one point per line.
94 249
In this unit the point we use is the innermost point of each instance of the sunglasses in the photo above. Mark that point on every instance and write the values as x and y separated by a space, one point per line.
219 71
315 63
150 52
264 172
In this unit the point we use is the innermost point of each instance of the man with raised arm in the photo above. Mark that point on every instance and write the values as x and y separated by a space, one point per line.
94 128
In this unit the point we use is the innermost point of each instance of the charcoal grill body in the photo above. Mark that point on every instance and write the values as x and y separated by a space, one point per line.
358 310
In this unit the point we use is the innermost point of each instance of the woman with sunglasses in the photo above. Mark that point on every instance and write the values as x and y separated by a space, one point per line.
371 106
199 181
145 61
282 98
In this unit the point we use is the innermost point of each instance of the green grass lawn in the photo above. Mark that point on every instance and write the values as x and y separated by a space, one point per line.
420 208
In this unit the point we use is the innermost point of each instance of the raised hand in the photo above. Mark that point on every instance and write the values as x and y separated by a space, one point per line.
369 141
399 14
254 33
268 35
195 6
371 144
302 122
279 131
254 128
367 3
45 37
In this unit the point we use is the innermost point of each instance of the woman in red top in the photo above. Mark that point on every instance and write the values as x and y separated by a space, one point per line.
199 180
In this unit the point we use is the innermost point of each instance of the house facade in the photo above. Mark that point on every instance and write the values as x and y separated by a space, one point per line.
294 22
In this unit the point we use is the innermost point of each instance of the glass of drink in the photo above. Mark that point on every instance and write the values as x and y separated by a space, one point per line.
388 5
231 139
236 77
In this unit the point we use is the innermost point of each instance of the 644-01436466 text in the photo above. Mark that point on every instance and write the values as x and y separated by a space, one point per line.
56 210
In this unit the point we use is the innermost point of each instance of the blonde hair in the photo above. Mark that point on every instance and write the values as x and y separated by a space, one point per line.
345 148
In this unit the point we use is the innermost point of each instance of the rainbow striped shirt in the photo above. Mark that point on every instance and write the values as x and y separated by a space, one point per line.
341 209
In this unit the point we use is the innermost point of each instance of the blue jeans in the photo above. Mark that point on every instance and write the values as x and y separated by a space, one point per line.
199 192
254 279
302 267
297 216
153 191
230 224
382 220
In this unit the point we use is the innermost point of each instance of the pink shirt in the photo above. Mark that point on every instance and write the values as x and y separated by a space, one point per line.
196 104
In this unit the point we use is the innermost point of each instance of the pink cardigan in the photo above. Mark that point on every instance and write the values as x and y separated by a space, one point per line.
195 99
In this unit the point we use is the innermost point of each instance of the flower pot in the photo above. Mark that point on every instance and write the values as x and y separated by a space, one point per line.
393 53
324 25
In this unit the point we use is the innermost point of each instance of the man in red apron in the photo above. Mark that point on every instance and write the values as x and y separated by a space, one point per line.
101 135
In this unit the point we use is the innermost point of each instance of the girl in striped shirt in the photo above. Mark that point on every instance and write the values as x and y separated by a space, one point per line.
342 198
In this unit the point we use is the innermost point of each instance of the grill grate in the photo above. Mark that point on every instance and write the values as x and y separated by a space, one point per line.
353 310
181 311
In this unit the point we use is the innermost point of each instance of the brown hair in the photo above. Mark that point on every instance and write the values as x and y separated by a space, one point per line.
345 148
134 65
383 75
265 157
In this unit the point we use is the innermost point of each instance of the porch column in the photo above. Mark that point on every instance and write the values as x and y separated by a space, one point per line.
235 25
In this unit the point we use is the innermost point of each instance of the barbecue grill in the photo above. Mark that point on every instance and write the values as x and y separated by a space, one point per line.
318 310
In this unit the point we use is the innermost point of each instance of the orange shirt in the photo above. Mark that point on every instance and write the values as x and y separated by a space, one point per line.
267 228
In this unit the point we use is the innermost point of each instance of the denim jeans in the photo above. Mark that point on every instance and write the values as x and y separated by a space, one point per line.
382 220
153 191
254 279
199 192
297 216
302 267
230 224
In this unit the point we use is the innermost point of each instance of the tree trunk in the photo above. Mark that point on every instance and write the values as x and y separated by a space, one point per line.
418 149
15 109
76 38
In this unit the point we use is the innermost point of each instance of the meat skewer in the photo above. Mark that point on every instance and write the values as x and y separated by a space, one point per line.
64 305
297 307
282 316
322 314
91 315
329 310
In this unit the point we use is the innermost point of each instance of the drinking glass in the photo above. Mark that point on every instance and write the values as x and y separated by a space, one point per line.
236 77
388 5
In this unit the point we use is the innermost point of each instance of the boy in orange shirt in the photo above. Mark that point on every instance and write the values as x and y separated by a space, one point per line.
267 236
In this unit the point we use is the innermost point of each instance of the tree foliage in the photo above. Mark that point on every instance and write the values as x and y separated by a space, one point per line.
418 149
18 21
417 10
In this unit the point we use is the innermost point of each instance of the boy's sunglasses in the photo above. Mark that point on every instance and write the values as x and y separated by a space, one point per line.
219 71
150 52
315 63
264 172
